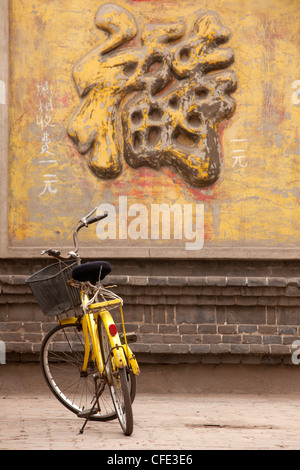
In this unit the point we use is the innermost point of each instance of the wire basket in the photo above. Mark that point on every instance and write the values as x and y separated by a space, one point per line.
49 287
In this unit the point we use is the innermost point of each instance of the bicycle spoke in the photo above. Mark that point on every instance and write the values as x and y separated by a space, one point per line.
62 361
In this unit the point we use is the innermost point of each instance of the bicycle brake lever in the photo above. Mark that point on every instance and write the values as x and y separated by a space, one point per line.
84 219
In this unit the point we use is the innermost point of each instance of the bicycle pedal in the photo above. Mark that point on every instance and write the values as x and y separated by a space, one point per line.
87 413
131 337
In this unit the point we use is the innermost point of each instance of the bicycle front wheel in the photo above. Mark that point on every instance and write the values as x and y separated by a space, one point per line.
62 355
118 382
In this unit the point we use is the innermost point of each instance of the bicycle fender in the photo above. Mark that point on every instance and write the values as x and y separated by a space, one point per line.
115 342
132 360
68 321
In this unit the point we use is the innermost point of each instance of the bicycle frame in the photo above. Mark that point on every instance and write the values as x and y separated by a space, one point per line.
123 356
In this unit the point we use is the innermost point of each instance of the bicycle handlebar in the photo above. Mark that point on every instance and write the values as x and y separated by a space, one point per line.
84 222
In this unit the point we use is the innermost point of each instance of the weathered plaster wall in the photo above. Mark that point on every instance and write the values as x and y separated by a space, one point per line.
250 200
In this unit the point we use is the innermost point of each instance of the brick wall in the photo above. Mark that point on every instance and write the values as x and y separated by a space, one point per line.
178 318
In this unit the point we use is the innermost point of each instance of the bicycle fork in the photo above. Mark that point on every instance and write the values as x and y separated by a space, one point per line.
89 327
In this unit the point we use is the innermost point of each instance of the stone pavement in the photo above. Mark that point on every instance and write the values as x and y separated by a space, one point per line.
32 419
164 422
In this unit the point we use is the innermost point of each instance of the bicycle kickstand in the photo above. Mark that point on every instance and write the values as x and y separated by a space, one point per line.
88 413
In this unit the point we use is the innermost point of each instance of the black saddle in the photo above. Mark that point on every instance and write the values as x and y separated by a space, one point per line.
93 271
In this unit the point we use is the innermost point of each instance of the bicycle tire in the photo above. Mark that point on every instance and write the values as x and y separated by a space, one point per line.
118 383
62 354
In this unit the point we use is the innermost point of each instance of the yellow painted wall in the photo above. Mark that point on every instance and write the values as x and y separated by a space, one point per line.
255 200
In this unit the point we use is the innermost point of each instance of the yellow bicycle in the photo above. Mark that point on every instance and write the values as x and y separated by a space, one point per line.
87 364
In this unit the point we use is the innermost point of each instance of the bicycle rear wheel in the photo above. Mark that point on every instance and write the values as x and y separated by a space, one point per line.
118 382
62 355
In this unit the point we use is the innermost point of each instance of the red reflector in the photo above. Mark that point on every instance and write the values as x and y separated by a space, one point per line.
113 329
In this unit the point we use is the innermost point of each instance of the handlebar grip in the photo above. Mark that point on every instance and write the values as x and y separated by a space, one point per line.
97 218
54 253
51 252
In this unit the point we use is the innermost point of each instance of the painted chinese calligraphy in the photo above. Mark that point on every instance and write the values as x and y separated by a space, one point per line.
157 105
239 157
44 122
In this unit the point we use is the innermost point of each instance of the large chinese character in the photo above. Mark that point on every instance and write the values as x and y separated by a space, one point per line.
158 101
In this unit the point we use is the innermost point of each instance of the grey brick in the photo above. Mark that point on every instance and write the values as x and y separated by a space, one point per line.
227 329
188 300
163 329
216 281
289 339
272 301
32 326
197 281
151 338
208 300
138 280
271 339
188 329
287 301
247 328
148 300
195 314
259 349
171 300
207 329
271 316
239 314
148 328
119 280
221 314
211 338
239 348
292 291
246 300
277 281
268 329
160 348
200 348
171 339
191 339
140 348
157 281
180 348
177 281
280 349
33 337
257 281
231 338
252 339
219 348
288 315
236 281
11 337
190 290
226 300
159 314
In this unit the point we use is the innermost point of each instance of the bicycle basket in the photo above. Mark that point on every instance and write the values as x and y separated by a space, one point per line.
50 289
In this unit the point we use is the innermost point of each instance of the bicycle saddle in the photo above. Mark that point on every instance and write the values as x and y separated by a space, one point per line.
93 271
